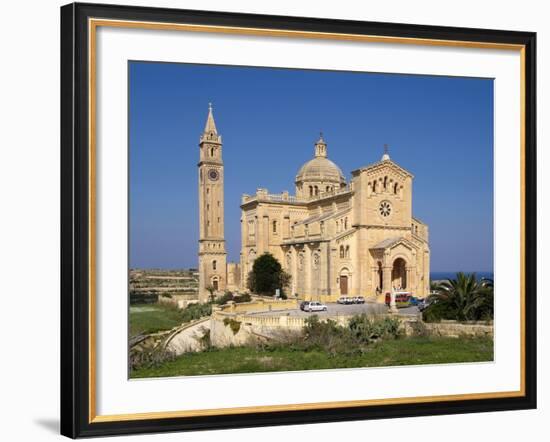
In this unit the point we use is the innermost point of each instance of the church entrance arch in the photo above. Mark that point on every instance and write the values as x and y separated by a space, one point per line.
215 283
344 278
399 274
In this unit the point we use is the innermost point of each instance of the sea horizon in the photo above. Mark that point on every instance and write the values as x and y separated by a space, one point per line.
436 276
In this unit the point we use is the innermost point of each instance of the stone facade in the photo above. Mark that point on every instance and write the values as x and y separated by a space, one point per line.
334 237
337 238
212 253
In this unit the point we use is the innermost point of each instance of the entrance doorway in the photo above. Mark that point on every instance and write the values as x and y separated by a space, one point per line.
215 284
343 285
399 274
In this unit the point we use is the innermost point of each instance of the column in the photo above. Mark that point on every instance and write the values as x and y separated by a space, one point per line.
388 288
307 271
386 279
265 234
294 269
333 272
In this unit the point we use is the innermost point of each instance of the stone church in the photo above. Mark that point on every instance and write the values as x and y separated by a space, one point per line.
334 237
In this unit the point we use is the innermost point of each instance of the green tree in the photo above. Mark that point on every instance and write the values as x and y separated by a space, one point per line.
464 299
267 275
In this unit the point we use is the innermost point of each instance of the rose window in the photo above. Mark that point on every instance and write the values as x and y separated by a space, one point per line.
385 209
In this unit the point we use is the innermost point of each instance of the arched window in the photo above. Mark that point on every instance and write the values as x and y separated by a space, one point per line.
212 152
346 223
374 186
214 264
310 190
316 191
274 226
347 252
395 188
341 251
328 189
385 182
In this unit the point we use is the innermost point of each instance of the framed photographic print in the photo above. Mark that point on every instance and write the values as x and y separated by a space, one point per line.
276 220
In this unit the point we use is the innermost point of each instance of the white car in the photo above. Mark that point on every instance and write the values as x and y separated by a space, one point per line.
315 306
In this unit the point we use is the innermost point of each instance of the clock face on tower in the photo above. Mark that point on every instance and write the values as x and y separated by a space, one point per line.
213 174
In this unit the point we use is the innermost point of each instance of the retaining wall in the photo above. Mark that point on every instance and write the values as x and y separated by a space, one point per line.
254 327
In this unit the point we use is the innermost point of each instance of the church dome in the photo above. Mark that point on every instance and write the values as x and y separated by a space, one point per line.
320 168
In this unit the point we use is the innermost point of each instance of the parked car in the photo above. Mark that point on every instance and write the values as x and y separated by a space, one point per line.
360 300
303 305
402 299
343 300
413 300
424 303
315 306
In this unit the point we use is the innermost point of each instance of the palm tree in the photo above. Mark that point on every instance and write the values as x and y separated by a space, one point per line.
465 297
210 289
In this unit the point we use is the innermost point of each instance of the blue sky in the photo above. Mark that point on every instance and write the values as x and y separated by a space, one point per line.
438 128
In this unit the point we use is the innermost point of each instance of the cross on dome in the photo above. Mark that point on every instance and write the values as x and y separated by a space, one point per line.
386 155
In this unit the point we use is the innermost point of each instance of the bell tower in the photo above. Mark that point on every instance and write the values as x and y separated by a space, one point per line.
212 254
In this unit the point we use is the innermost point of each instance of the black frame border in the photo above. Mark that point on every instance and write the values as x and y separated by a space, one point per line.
75 220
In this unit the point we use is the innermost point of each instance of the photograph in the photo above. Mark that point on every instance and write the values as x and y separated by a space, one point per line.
283 219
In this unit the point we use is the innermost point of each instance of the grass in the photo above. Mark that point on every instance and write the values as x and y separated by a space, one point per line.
404 351
150 318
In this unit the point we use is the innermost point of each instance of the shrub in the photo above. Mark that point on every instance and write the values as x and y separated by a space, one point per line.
196 311
366 329
327 336
149 356
245 297
227 296
233 324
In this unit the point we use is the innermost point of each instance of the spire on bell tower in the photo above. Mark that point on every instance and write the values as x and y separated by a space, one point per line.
210 133
321 147
210 141
210 123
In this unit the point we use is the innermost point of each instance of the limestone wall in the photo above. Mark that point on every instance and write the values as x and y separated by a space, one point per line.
455 329
260 305
255 327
